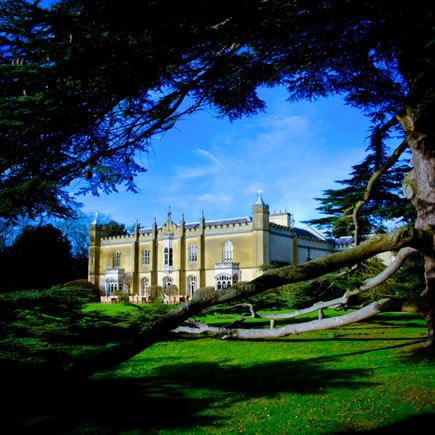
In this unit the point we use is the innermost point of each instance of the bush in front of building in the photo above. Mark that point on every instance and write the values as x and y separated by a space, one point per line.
85 289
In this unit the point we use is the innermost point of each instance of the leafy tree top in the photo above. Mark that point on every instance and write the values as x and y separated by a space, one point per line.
86 84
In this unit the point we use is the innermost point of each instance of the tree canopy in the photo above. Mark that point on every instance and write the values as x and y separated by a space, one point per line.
39 258
86 84
386 204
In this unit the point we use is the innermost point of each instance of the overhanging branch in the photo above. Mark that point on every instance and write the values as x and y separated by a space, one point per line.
368 284
273 278
384 168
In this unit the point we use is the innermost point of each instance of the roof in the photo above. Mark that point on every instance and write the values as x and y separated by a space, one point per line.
342 240
304 233
218 222
232 221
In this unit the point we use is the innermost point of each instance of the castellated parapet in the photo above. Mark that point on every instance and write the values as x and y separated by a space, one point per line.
214 253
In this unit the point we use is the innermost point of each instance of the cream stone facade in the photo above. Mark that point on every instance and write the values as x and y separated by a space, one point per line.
204 253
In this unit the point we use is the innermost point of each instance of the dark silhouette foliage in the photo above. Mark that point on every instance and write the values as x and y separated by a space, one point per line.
39 258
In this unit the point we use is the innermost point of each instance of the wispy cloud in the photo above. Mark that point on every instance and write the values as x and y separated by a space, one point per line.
208 155
218 198
293 152
201 170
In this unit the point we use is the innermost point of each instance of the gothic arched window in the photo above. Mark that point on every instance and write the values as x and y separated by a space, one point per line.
112 286
223 281
167 281
228 252
191 284
117 259
193 254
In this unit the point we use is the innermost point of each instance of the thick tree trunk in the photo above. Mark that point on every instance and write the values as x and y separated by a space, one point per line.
419 187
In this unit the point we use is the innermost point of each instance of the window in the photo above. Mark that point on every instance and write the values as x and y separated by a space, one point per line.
168 256
145 287
223 281
228 252
112 286
193 254
145 257
117 259
167 282
191 284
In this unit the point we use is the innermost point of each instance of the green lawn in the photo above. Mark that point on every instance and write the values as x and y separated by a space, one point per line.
366 376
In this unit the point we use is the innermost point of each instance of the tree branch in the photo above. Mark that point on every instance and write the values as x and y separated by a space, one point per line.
368 284
387 165
273 278
293 329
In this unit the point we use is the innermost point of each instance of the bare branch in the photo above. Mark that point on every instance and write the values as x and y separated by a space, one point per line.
387 165
368 284
250 306
293 329
344 300
390 270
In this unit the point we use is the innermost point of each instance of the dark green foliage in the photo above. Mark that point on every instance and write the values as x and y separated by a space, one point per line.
39 258
386 202
56 301
112 228
85 85
85 288
407 282
51 324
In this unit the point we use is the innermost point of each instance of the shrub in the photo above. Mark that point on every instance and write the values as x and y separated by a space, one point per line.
53 301
85 289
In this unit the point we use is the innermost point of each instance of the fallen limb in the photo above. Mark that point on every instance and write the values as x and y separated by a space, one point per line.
315 325
368 284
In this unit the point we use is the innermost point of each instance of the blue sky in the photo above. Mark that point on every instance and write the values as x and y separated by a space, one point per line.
293 152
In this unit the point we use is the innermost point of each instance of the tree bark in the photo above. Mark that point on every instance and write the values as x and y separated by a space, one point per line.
315 325
419 187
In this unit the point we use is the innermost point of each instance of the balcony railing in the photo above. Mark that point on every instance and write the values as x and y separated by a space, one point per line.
227 265
115 270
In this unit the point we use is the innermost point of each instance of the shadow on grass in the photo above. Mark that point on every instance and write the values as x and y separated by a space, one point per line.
179 396
412 425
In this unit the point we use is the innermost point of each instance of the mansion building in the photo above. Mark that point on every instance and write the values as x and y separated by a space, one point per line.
206 253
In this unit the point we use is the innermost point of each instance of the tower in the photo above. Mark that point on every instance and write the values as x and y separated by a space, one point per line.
94 254
260 226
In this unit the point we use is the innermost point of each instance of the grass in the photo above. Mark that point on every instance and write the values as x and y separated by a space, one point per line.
364 377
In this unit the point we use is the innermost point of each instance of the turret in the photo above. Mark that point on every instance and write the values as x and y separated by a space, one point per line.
202 222
182 224
260 213
136 231
154 252
260 227
94 254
